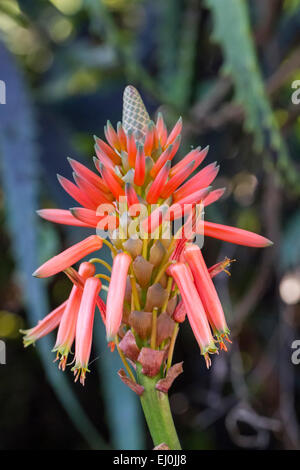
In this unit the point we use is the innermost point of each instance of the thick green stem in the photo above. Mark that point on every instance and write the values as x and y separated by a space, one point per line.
157 412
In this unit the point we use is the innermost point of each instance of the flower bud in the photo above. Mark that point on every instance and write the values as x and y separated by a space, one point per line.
141 322
134 247
165 327
142 270
172 305
156 296
157 253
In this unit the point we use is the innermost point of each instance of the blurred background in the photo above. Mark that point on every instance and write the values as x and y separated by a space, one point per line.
228 68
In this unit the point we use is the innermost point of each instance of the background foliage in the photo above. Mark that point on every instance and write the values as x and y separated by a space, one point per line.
228 71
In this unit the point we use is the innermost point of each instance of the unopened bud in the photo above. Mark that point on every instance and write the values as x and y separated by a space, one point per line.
126 313
156 296
134 246
142 270
165 327
179 313
128 290
157 253
172 305
141 322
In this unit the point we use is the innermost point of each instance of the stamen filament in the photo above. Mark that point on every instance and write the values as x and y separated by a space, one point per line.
102 276
172 345
110 246
169 288
100 261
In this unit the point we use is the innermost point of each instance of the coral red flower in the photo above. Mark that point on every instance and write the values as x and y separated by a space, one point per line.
67 325
235 235
68 257
45 326
84 327
206 291
194 309
116 294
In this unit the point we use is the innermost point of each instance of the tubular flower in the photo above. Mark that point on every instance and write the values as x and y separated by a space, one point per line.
45 326
206 291
114 305
68 257
194 309
67 325
84 327
157 276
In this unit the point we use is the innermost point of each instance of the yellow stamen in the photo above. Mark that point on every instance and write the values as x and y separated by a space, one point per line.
100 261
172 345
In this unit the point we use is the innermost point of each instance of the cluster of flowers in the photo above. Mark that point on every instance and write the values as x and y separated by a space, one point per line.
154 281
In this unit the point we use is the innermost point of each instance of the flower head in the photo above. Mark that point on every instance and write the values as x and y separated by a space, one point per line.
158 277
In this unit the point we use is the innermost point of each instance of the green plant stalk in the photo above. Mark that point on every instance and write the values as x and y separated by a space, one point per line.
156 408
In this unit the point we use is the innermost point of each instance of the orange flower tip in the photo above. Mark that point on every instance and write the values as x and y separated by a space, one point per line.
111 345
269 242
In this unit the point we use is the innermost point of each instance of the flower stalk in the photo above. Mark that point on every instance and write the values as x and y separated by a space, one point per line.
156 408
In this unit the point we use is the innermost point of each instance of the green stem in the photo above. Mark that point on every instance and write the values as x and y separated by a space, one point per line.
157 412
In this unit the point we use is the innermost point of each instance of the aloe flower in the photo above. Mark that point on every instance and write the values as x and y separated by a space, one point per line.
207 292
67 325
84 327
114 304
158 277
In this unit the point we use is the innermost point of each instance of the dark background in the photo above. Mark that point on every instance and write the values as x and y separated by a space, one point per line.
227 67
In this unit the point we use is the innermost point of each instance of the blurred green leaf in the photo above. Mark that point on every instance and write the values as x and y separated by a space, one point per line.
290 246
